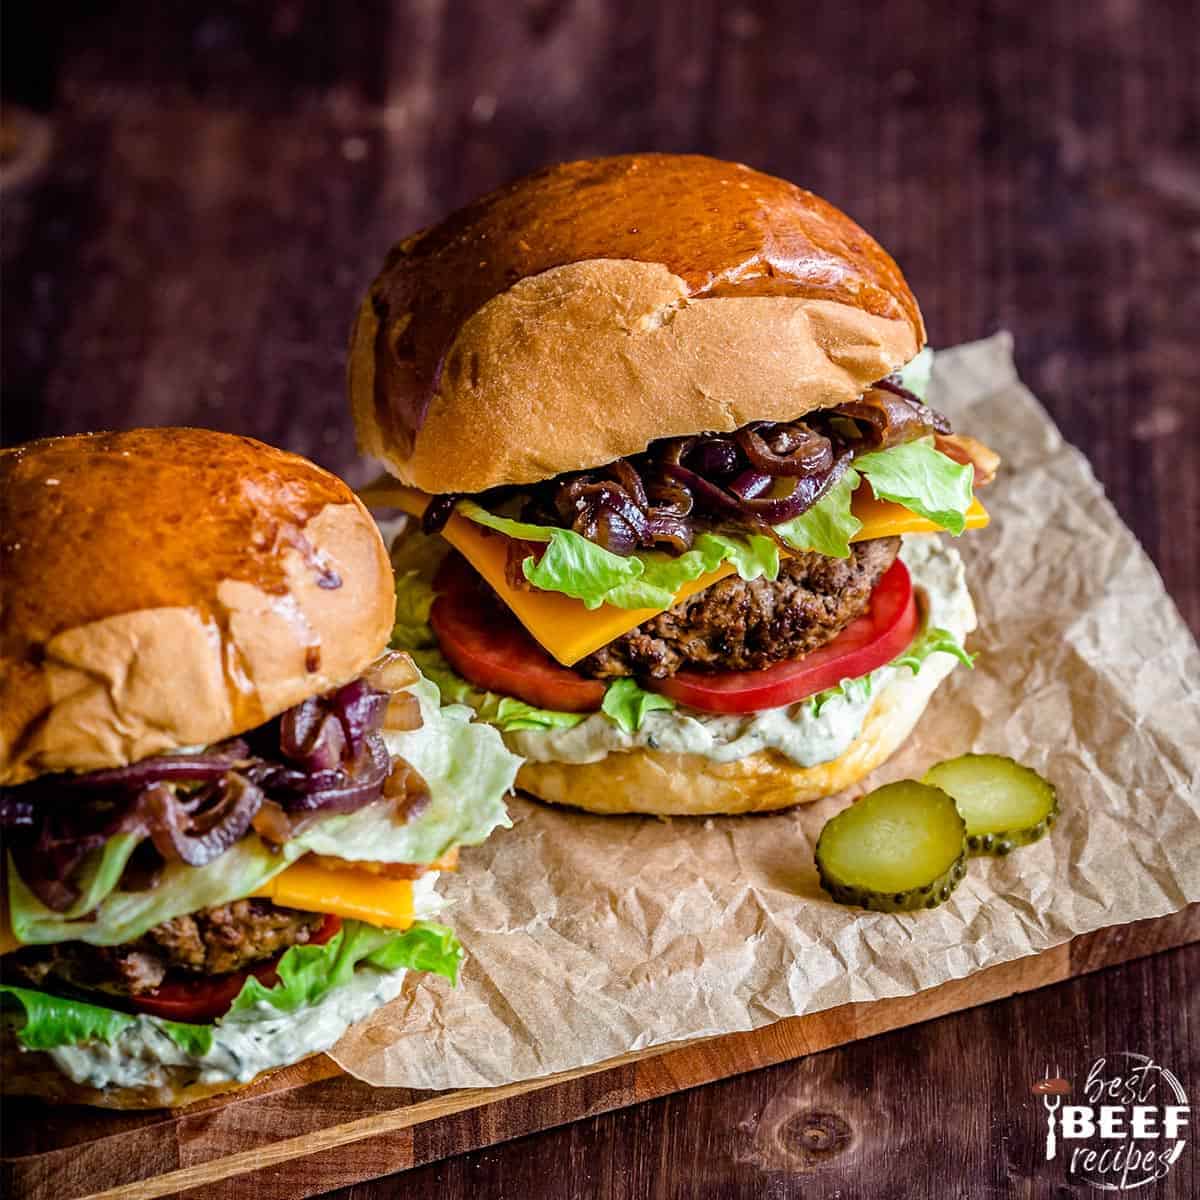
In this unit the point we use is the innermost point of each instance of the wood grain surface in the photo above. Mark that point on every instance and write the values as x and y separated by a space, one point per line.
310 1126
226 177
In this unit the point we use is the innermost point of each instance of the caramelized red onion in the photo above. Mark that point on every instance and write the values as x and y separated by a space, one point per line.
791 450
760 495
931 417
200 828
763 474
889 414
323 756
166 768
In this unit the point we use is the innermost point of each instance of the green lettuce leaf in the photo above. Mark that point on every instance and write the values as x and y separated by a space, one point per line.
914 474
100 872
307 974
196 1040
915 373
829 525
927 642
524 531
854 690
579 568
570 564
506 713
663 574
52 1021
923 480
933 641
414 599
626 703
755 556
415 560
465 763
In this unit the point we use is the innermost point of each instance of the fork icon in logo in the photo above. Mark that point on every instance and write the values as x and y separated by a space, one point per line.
1052 1089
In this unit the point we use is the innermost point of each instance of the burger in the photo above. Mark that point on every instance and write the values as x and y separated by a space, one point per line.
224 803
672 489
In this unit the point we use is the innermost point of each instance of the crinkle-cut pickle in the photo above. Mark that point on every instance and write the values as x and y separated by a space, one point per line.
1004 804
899 848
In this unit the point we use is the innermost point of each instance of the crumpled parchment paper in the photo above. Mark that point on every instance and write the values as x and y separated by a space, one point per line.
588 937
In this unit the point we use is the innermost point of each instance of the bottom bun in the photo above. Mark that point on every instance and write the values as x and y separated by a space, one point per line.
30 1073
663 783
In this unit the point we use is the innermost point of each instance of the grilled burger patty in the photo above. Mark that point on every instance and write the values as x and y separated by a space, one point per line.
739 625
209 942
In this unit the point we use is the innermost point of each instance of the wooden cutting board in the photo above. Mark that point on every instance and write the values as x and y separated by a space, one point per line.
311 1128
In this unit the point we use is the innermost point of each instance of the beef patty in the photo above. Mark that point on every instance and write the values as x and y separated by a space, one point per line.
209 942
739 624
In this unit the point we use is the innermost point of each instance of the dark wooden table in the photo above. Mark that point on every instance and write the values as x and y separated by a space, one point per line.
226 177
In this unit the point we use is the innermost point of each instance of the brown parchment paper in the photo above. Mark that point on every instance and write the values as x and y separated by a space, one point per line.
589 937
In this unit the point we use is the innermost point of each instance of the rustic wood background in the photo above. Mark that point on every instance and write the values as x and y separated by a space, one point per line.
226 177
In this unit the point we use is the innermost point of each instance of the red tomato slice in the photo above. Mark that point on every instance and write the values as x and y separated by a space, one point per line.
879 635
204 999
490 648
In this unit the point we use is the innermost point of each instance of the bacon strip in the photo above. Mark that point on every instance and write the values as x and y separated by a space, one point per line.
964 449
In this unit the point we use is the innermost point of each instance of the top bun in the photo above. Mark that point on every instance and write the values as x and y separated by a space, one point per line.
164 588
578 314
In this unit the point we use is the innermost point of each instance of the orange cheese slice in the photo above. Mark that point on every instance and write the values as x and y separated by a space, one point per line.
566 627
312 886
345 892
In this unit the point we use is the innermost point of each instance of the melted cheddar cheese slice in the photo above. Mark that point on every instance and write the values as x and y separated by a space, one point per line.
346 892
355 891
566 627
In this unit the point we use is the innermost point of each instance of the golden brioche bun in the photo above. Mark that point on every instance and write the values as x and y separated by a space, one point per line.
578 314
163 588
668 784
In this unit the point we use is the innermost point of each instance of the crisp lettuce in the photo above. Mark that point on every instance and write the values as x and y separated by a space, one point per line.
663 574
52 1021
415 560
506 713
414 599
570 563
100 872
306 975
309 973
854 690
577 567
829 525
922 479
916 373
927 642
466 765
626 703
196 1040
915 475
933 641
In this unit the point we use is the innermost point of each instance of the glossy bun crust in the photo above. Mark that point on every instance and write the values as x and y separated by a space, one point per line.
162 588
688 785
581 312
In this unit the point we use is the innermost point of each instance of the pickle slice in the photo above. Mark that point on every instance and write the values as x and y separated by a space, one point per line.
1004 804
901 847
